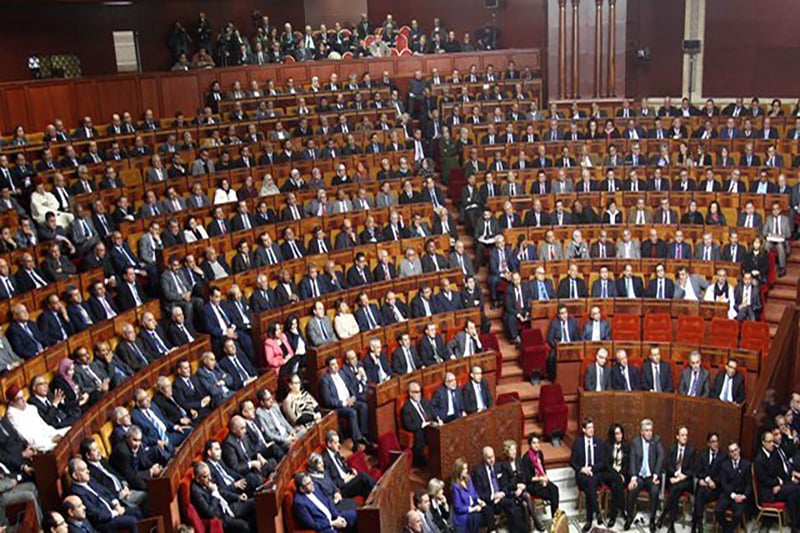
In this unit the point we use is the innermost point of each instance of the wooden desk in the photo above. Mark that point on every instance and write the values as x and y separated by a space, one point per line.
384 509
700 415
467 436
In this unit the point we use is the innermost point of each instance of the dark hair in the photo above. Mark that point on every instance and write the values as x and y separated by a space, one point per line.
613 429
418 494
272 328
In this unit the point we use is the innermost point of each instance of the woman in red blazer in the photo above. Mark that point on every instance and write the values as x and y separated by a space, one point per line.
278 352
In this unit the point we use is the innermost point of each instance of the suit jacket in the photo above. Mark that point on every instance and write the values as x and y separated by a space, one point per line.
737 387
226 364
132 354
445 305
93 497
170 408
100 478
738 481
597 288
379 272
418 307
188 397
655 457
578 457
412 421
314 331
125 298
371 368
308 516
533 287
54 416
590 378
399 363
439 403
652 289
428 354
470 399
7 355
702 382
328 393
54 328
605 330
618 380
23 344
237 453
458 345
133 467
362 320
688 463
664 374
564 288
554 334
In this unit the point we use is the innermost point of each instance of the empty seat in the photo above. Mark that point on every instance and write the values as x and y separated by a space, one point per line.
657 327
553 409
691 330
533 352
755 336
724 333
626 327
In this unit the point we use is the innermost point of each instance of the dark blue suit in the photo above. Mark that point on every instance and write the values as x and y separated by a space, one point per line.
54 328
306 291
371 368
494 269
588 484
24 344
618 380
80 316
214 328
363 322
555 336
98 513
357 415
121 259
444 305
227 365
148 428
440 401
418 308
97 310
152 345
308 516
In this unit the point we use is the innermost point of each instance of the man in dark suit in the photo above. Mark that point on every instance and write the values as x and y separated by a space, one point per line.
447 401
104 474
657 373
476 394
54 321
487 485
236 365
129 293
417 414
135 465
103 508
597 377
132 351
189 392
340 394
225 477
239 454
541 287
50 406
646 468
368 317
152 336
604 286
405 359
359 273
572 286
729 384
431 347
587 460
660 287
563 328
154 424
735 488
376 366
350 482
263 297
596 329
707 472
679 470
774 474
179 332
100 305
308 513
394 310
624 377
212 501
25 338
694 379
516 307
747 299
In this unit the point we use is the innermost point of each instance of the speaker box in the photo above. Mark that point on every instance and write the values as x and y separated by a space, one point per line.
691 46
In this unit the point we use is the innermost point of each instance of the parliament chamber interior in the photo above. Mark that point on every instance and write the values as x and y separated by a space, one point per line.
423 267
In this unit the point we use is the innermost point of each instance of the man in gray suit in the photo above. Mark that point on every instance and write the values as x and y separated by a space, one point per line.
90 375
156 173
694 379
319 330
203 164
84 234
707 250
150 243
596 329
177 290
597 377
466 342
689 286
627 247
14 492
646 467
173 203
385 197
362 201
8 359
777 232
576 248
459 259
550 249
319 206
272 422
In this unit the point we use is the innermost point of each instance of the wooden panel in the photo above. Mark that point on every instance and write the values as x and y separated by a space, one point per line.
376 67
118 96
87 101
298 72
149 95
16 105
180 93
46 102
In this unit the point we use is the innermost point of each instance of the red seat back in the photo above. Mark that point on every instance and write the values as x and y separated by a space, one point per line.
692 329
626 327
724 332
657 327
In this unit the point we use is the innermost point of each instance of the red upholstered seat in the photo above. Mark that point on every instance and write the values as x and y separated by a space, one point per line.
626 327
691 330
553 409
388 445
359 461
190 516
489 342
288 516
724 333
755 336
657 327
533 352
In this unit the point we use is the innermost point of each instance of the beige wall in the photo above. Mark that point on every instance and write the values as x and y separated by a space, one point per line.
329 11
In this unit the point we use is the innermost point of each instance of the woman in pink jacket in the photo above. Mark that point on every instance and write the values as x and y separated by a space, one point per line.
278 352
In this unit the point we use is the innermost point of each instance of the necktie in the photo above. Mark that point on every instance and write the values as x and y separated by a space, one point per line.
656 378
322 329
573 289
693 385
38 282
564 332
679 461
589 453
660 292
162 348
604 289
726 390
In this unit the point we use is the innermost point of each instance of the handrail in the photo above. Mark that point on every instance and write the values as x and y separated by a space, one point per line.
774 381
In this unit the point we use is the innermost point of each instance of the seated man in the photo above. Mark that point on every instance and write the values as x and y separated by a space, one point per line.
340 394
272 421
596 329
563 329
405 358
476 394
747 299
417 414
29 424
777 231
104 509
516 307
189 392
211 501
487 485
572 286
501 265
736 487
624 377
214 381
679 478
694 379
646 468
224 476
729 385
153 422
104 474
597 377
133 462
656 373
313 511
350 482
239 453
466 342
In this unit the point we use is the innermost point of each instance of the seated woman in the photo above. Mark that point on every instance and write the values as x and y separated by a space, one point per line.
715 216
268 187
194 231
299 407
534 474
467 506
440 509
76 401
278 352
224 194
616 476
325 485
756 261
344 323
296 340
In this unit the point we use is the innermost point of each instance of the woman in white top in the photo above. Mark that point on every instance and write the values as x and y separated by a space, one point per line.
194 231
344 323
268 187
224 194
43 201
